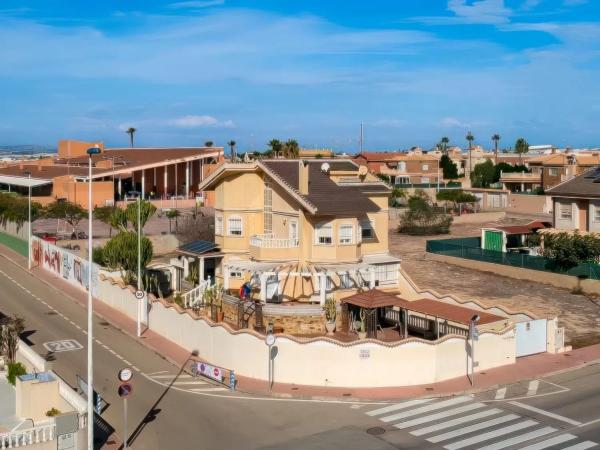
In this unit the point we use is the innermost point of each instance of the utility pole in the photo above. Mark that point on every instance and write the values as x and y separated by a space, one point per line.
362 136
139 266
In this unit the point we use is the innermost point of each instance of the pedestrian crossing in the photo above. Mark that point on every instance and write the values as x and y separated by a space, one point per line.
463 421
186 382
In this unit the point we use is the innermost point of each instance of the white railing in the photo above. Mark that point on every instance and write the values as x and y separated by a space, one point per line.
28 436
268 241
195 296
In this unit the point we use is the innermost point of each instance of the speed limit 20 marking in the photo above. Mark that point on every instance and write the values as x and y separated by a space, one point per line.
64 345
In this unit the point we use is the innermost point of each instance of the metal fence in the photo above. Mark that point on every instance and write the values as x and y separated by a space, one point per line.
470 248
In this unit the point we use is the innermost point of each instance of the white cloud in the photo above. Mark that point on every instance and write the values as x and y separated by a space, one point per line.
530 4
196 4
199 122
472 12
391 123
453 122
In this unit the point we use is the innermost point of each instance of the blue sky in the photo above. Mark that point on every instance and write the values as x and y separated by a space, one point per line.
411 70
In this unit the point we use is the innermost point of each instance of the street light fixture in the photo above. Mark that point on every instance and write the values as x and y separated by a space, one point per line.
29 219
90 340
474 336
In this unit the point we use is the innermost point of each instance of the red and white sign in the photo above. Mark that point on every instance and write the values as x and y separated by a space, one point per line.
209 371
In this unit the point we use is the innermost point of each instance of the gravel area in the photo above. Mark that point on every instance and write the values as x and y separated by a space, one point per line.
579 314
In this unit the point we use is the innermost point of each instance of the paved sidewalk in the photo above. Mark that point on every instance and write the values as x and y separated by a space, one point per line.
526 368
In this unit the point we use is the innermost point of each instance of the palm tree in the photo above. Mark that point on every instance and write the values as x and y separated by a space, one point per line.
521 146
232 147
470 138
276 146
445 141
131 131
291 148
496 138
208 143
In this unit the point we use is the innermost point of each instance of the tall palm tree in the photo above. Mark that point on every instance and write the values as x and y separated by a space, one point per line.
470 138
291 148
496 138
445 141
208 143
521 146
232 147
131 131
276 146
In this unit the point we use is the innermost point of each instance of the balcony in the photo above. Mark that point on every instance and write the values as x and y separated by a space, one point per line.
520 177
266 247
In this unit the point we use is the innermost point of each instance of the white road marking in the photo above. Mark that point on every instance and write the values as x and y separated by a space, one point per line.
424 409
550 442
398 406
454 422
518 439
490 435
209 389
471 428
533 387
500 393
188 383
440 415
155 373
183 375
581 446
545 413
135 368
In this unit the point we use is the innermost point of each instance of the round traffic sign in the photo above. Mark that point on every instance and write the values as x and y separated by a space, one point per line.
139 294
125 389
270 339
125 374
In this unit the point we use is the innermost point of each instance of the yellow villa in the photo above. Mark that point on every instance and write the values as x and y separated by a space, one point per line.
300 230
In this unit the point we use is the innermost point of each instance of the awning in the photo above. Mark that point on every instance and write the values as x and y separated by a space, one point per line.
380 258
23 181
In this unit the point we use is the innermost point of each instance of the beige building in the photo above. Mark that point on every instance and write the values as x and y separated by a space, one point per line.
403 169
301 230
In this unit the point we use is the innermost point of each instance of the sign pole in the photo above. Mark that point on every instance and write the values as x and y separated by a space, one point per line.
124 423
270 340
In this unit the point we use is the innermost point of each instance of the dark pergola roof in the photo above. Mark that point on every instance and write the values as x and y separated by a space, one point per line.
375 298
197 247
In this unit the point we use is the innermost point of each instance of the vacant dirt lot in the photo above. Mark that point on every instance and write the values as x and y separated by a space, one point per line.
579 314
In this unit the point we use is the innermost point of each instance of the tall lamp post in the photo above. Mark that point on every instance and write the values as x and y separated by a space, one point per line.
90 340
474 335
29 220
139 267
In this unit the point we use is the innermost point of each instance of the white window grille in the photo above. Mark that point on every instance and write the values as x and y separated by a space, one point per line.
425 167
218 224
346 232
424 180
386 274
596 213
234 226
324 234
268 209
566 211
235 274
346 281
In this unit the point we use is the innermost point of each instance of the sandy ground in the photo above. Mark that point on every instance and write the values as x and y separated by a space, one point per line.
579 314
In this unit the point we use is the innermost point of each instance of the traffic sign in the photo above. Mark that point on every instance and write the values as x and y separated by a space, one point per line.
270 339
125 389
125 374
139 294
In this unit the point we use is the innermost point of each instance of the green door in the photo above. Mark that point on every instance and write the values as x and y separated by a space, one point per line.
493 241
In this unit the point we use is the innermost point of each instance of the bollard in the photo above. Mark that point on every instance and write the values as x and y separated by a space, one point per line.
232 380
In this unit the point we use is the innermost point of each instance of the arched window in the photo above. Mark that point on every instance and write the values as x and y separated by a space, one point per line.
234 226
324 234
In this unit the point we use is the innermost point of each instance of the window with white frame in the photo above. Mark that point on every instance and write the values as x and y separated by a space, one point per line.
566 211
367 229
402 180
268 210
425 167
235 274
346 232
386 274
219 224
424 179
328 283
596 213
346 281
324 234
553 172
234 226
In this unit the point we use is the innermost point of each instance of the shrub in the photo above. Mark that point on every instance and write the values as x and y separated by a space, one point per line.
15 370
52 412
565 251
98 256
422 219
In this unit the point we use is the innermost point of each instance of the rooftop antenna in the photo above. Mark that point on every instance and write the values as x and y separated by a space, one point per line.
361 137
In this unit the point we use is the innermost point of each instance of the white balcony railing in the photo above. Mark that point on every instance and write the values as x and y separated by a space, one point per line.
195 297
268 241
29 436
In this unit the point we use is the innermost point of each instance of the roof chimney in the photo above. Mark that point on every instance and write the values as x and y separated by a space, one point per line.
303 177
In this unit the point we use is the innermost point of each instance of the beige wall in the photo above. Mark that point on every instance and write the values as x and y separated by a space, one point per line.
566 223
593 224
70 148
66 187
531 204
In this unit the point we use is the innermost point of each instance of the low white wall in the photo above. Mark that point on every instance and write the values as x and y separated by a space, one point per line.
121 299
13 229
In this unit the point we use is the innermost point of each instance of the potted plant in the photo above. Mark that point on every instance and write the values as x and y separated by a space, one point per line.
362 334
218 302
330 314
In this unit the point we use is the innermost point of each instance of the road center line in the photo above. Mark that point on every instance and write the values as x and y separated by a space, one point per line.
545 413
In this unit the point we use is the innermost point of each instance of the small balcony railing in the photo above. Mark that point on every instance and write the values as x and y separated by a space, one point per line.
269 241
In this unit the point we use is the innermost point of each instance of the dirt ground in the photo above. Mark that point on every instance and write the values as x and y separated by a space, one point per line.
579 314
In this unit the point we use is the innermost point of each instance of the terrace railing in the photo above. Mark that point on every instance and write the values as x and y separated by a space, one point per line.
268 241
195 297
28 436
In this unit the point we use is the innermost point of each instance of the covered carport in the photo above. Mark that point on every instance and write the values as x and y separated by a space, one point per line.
40 187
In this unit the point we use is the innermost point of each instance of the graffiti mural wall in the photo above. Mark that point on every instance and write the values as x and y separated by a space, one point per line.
64 264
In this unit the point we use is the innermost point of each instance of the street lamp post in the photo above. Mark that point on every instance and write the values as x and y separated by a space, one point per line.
474 336
139 267
29 220
90 340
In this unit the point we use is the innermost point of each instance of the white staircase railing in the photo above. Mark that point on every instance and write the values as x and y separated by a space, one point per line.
195 297
28 436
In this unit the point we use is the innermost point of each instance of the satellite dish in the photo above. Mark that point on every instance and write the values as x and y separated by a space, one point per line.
363 170
325 167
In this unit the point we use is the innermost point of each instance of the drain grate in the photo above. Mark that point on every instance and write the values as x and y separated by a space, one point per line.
376 431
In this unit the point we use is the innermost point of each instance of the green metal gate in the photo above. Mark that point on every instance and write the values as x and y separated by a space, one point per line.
493 240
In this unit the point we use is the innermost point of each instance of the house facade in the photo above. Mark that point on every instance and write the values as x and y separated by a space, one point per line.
576 202
403 169
301 230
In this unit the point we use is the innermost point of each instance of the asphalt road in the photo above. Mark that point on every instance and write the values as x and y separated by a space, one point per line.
169 409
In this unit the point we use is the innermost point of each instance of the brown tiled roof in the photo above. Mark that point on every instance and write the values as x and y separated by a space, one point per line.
526 228
46 172
395 156
327 196
374 298
585 185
